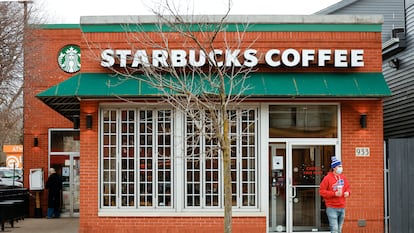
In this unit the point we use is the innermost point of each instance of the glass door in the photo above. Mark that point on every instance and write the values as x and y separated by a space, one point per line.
64 146
277 187
295 172
67 166
308 164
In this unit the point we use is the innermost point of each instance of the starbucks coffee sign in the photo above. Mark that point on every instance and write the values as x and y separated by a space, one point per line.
237 58
69 58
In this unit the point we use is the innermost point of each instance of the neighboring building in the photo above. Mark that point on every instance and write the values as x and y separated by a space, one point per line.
14 156
397 51
123 163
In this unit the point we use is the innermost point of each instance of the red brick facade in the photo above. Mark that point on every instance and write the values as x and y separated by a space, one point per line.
364 173
264 41
42 72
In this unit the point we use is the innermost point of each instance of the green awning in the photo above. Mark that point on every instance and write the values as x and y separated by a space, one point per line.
65 96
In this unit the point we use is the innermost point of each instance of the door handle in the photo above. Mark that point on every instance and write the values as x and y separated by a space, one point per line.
294 191
277 190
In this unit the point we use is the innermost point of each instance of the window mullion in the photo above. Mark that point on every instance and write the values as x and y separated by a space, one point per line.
155 158
202 159
136 157
138 147
118 157
239 143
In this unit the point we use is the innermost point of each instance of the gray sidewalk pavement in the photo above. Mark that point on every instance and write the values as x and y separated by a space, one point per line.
43 225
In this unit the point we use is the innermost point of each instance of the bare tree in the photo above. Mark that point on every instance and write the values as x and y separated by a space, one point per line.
207 91
11 71
15 17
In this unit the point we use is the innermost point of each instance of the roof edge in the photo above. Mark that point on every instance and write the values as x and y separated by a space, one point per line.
56 26
252 19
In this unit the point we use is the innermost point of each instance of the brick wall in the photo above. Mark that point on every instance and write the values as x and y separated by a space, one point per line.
42 72
172 225
366 174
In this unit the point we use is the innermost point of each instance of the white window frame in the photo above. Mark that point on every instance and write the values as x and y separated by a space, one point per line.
118 169
178 173
239 147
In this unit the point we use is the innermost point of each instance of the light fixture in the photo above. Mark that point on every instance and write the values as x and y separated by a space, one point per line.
35 141
89 121
394 63
363 120
75 120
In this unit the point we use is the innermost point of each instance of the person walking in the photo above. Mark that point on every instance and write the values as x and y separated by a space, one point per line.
335 189
54 185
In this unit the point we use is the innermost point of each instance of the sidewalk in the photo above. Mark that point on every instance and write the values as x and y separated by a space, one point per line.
42 225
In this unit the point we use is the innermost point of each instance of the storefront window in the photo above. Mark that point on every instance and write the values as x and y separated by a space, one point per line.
303 121
136 159
203 166
137 165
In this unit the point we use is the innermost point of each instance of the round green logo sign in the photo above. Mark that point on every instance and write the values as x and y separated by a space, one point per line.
69 58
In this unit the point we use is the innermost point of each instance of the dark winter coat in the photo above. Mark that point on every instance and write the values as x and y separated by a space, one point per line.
54 185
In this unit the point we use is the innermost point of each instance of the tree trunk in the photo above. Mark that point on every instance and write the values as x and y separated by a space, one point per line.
227 177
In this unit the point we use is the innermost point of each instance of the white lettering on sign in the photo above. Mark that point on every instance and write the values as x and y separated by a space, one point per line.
122 54
308 55
324 55
159 58
357 58
340 58
269 57
362 151
201 58
140 57
290 57
107 58
250 59
178 58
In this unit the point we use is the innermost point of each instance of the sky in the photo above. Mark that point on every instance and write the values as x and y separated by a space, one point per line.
59 11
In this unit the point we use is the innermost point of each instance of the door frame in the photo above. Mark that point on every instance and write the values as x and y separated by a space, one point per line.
71 155
290 144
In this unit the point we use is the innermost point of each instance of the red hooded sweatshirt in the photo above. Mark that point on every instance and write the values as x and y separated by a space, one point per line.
329 186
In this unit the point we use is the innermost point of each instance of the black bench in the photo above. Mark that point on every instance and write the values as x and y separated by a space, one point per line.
14 205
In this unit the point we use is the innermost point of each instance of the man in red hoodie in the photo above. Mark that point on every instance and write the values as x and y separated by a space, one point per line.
334 189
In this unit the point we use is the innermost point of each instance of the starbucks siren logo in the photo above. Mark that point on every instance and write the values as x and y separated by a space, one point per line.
69 58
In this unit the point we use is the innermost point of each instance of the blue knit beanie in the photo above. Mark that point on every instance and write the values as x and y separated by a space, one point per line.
335 162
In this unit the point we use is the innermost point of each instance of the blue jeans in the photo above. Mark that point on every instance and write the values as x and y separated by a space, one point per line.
50 212
336 217
53 212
